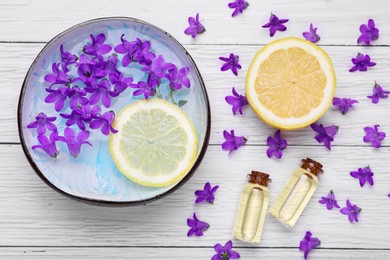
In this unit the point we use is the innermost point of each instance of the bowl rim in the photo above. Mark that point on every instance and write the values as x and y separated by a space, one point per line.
108 202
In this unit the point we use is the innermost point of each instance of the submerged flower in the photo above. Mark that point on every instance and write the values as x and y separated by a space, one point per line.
75 117
66 59
373 136
58 76
237 101
324 134
48 145
368 32
239 6
195 26
377 93
330 201
207 194
77 97
73 141
361 62
275 24
97 47
344 104
276 145
311 35
225 252
232 142
231 63
43 122
308 243
364 175
104 122
196 226
57 96
352 211
178 78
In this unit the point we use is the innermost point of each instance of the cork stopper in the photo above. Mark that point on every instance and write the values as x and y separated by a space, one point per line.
260 178
312 166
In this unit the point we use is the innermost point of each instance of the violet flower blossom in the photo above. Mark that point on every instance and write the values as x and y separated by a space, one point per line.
90 112
308 243
275 24
48 145
196 27
75 117
361 63
178 78
147 88
207 194
368 32
373 136
119 81
159 67
377 93
330 201
104 122
311 35
232 142
101 92
237 101
58 76
77 97
197 227
324 134
43 122
276 145
231 63
352 211
225 252
344 104
57 96
239 6
97 47
66 59
73 141
364 175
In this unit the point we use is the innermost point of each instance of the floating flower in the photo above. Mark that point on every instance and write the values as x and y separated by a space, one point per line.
73 141
178 78
308 243
232 142
90 112
207 194
48 145
352 211
147 88
276 145
368 32
87 74
225 252
75 117
196 226
275 24
104 122
195 26
377 93
57 96
361 62
66 59
344 104
43 122
311 35
239 6
364 175
237 101
97 47
77 97
231 63
330 201
324 134
143 55
373 136
159 67
58 76
101 92
119 81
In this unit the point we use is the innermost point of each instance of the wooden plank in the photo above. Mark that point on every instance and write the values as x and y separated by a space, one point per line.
338 21
34 215
181 253
16 58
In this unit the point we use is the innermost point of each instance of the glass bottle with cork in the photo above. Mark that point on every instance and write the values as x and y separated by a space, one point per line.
252 208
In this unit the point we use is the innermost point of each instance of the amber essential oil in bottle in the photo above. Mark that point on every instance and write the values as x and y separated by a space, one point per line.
252 208
297 192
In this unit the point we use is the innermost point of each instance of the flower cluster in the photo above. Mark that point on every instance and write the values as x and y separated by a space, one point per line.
81 87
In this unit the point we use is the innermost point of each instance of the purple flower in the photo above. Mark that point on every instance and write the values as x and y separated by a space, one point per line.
239 6
364 175
324 134
48 145
276 145
43 122
57 96
119 81
231 63
196 226
352 211
101 92
311 35
57 77
77 96
361 62
225 252
330 201
275 24
178 78
73 141
308 243
374 136
90 112
232 142
159 67
143 55
344 104
207 194
97 47
104 122
66 59
75 117
369 32
87 75
237 101
195 26
377 93
147 88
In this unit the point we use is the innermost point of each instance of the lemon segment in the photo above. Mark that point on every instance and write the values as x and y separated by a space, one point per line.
156 144
290 83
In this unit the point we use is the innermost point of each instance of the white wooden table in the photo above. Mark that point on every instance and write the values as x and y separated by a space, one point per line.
38 223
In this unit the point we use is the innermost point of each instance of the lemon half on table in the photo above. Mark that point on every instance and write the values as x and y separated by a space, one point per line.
290 83
156 144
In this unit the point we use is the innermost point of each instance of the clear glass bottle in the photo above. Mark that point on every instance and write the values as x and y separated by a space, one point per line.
297 192
252 208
